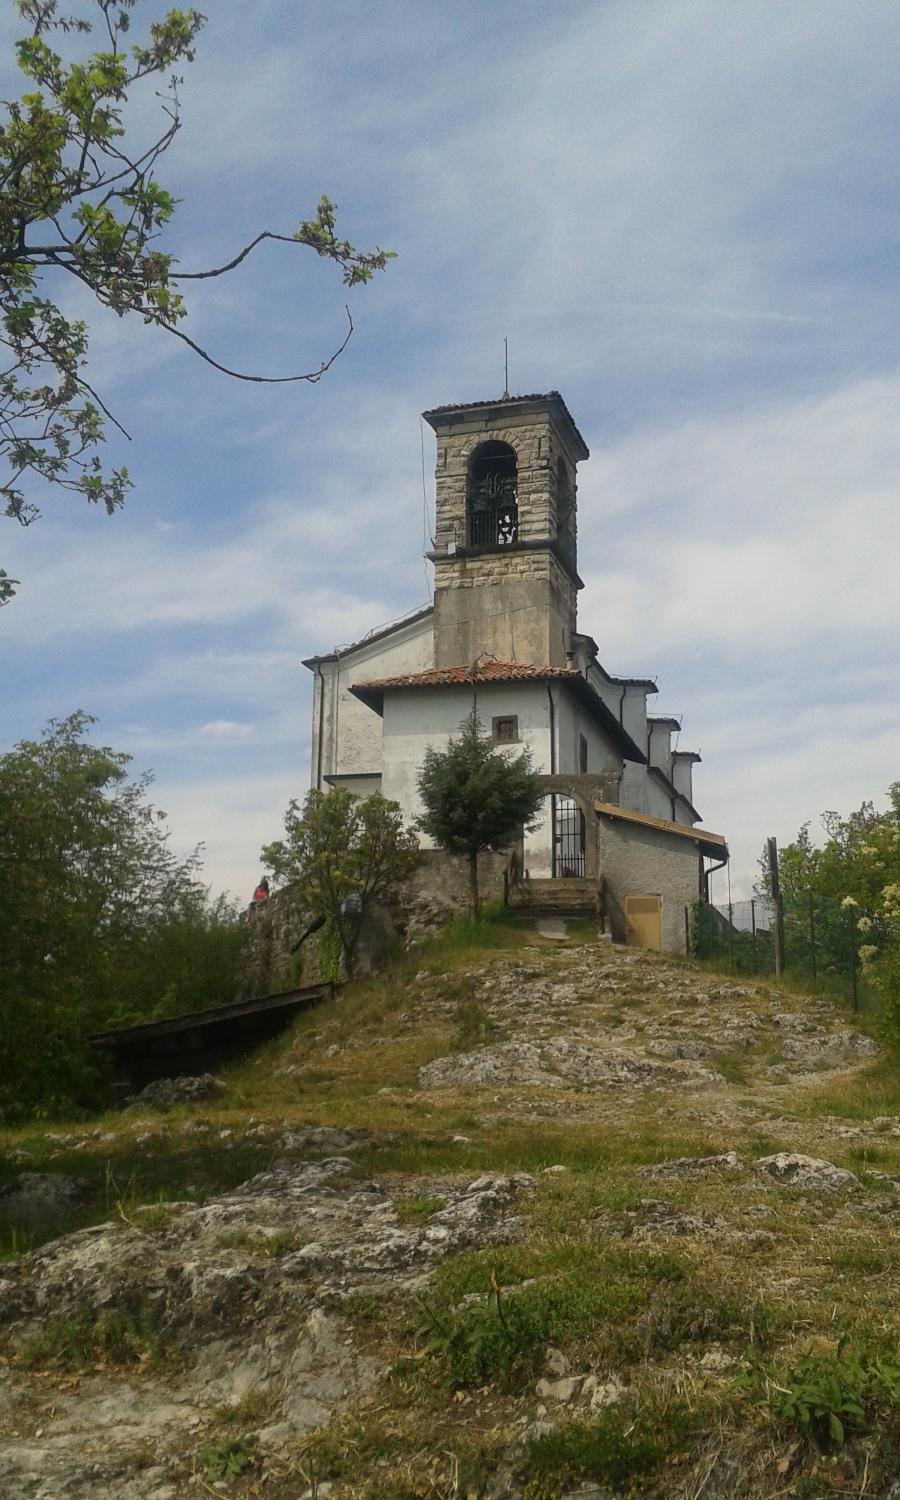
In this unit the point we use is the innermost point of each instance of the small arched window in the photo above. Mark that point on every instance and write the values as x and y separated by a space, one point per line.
492 503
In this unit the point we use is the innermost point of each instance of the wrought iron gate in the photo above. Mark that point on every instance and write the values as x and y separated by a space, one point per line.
568 838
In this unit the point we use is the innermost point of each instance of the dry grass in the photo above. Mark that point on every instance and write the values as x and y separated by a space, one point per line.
747 1272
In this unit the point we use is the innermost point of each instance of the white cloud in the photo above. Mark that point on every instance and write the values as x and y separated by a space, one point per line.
225 730
679 216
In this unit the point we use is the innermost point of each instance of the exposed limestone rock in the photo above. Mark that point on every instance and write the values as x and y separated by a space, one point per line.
561 1391
240 1318
322 1138
166 1093
807 1172
206 1272
688 1166
38 1197
828 1050
556 1062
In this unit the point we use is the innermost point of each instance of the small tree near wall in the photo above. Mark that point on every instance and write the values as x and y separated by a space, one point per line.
477 797
342 853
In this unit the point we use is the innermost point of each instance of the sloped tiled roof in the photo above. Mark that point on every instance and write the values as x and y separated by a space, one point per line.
713 844
485 671
372 693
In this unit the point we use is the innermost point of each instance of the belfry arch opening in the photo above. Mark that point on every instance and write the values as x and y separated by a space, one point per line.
565 509
492 496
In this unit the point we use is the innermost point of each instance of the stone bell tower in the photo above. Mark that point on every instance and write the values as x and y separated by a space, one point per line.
505 551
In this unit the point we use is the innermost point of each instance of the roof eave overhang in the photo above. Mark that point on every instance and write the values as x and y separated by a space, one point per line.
713 844
372 695
606 719
440 417
673 791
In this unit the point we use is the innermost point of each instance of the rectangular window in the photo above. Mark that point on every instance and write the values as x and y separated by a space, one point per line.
505 731
582 754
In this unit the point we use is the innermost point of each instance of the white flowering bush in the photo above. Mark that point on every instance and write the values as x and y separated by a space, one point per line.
853 883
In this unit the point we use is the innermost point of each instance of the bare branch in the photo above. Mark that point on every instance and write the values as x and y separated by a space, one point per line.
310 378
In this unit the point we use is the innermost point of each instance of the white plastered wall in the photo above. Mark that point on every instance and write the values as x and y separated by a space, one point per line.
416 719
571 722
351 732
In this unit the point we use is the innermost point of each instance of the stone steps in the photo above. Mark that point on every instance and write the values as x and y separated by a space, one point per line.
567 897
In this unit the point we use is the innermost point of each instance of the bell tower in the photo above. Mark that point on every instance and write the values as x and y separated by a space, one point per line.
505 553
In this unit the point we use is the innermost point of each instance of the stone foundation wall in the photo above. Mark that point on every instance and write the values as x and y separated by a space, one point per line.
437 891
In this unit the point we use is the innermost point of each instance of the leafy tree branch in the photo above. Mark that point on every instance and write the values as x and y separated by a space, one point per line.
79 199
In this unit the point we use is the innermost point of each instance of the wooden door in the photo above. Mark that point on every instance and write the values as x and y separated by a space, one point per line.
643 925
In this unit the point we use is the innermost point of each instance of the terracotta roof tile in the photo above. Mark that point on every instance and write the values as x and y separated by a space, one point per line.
372 693
486 671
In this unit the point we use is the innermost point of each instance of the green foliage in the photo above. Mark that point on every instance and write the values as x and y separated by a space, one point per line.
474 1026
476 797
826 1397
417 1209
632 1305
226 1460
100 923
109 1337
339 847
79 199
621 1446
854 882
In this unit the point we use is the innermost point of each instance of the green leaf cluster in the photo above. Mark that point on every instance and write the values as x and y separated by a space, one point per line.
100 922
338 846
853 879
829 1396
80 200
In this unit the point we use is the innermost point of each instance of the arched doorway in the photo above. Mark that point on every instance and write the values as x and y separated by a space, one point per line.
568 839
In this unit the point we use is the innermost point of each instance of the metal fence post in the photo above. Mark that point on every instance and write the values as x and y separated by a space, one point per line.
772 847
812 935
753 932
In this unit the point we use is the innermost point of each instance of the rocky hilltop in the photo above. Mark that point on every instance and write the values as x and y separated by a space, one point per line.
531 1219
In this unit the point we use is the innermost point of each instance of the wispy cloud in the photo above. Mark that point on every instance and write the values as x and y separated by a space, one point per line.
680 216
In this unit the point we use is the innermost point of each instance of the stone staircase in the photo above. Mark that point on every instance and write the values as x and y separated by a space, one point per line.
572 896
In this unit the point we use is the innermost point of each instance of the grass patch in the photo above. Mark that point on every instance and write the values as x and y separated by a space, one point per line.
622 1446
253 1410
89 1339
279 1242
865 1094
417 1210
474 1026
518 1299
861 1259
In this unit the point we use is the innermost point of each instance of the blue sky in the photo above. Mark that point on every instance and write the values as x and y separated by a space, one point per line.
684 217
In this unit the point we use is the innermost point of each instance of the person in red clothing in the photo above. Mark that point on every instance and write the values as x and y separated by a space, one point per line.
262 890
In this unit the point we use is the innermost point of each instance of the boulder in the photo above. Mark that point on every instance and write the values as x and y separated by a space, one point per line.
166 1093
808 1173
41 1197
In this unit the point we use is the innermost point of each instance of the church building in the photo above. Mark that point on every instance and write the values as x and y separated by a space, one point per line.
502 637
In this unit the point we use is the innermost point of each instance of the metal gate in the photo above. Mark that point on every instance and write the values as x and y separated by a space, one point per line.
568 838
